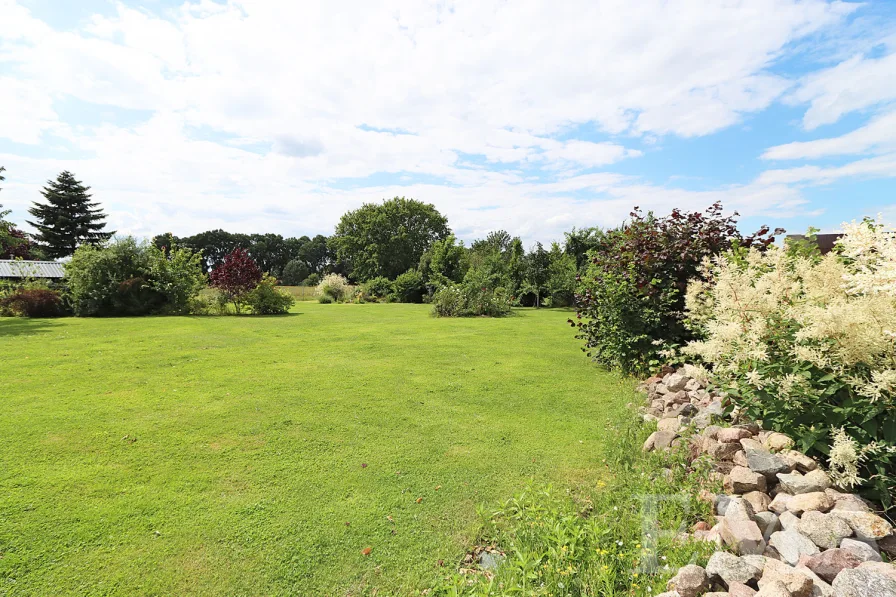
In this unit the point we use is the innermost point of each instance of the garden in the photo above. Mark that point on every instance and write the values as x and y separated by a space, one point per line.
415 421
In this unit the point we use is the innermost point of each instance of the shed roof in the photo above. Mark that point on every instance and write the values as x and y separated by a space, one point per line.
10 268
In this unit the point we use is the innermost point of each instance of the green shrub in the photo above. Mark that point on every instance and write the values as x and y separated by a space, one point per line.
377 289
334 286
131 278
631 299
267 299
806 344
468 300
409 287
311 280
295 273
325 299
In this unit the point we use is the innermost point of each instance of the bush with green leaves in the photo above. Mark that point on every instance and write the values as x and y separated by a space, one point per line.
807 345
295 273
335 287
469 300
408 287
377 289
630 300
127 277
267 299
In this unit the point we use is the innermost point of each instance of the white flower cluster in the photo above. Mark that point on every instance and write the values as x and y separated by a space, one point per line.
837 314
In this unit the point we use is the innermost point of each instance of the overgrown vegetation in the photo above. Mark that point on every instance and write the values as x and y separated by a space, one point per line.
807 345
618 536
132 278
631 298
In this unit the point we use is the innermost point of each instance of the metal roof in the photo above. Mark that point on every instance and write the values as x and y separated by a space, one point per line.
30 269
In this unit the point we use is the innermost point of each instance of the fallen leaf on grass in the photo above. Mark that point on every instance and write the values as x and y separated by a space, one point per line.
366 551
438 487
419 499
363 465
389 518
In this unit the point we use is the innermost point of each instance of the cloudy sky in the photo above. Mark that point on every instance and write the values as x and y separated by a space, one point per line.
532 116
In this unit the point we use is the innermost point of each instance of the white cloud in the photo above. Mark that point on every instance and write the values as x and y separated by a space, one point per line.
878 167
878 135
323 92
854 84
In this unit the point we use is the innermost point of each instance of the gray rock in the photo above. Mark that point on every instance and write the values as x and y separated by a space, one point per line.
721 503
863 550
677 382
658 440
791 545
779 503
671 425
740 510
758 500
768 523
738 589
743 480
731 569
797 483
798 461
862 582
778 442
848 501
865 524
690 581
774 589
788 520
819 587
761 461
743 536
804 502
793 581
825 530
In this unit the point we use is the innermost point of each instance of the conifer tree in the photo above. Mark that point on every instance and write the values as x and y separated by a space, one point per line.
69 218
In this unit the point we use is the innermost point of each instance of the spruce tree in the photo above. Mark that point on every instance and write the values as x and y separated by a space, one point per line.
69 218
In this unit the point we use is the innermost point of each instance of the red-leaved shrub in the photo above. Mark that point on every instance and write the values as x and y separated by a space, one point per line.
34 302
236 277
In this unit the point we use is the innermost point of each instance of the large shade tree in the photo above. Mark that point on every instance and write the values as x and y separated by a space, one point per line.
387 239
69 218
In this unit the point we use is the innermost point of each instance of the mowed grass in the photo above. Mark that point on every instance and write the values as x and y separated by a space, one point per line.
262 455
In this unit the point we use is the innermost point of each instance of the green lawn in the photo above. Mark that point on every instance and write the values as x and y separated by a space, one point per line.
226 455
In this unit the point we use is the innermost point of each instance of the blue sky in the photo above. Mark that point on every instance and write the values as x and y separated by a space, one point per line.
260 116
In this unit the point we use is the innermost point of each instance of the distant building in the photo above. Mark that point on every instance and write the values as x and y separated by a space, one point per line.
825 242
17 269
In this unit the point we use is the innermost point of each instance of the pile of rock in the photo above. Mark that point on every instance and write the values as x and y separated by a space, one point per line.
789 531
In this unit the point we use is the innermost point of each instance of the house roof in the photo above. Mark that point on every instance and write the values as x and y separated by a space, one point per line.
30 269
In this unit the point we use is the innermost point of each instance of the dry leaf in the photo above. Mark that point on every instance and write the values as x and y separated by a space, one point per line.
366 551
438 487
419 499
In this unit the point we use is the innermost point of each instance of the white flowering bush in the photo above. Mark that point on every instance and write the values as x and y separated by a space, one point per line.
334 287
807 344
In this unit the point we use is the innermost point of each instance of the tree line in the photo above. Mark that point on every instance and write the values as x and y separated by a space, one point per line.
397 238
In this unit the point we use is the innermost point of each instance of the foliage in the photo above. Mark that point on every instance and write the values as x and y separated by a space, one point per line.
498 261
295 272
408 287
15 244
377 289
387 239
807 344
325 299
631 299
334 286
619 538
68 219
32 302
561 283
537 273
109 280
236 277
131 278
470 300
580 241
176 274
312 280
444 263
267 299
